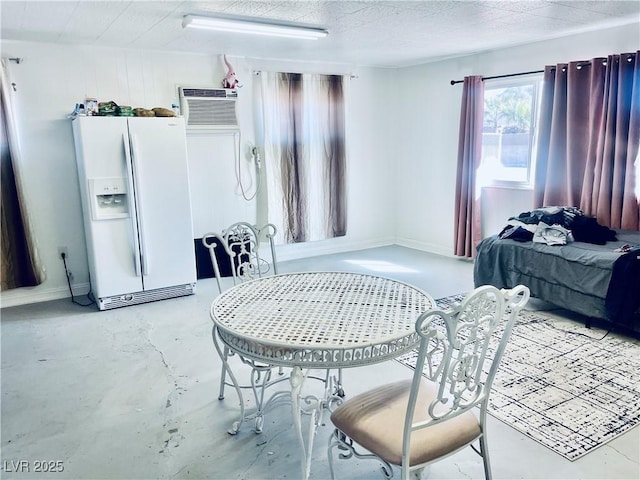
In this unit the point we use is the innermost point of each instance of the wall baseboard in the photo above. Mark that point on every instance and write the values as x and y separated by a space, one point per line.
295 251
28 295
425 247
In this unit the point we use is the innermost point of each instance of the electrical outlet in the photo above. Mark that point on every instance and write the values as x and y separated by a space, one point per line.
64 250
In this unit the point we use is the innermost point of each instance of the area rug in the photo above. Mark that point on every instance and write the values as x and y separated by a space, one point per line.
568 387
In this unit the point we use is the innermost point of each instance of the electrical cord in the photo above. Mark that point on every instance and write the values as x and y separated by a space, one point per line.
256 159
67 274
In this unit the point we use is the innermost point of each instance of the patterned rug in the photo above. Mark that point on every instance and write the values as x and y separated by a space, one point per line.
568 387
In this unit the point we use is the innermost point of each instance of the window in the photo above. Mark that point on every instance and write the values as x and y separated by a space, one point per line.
510 118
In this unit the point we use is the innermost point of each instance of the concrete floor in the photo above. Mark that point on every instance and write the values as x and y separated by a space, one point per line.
132 394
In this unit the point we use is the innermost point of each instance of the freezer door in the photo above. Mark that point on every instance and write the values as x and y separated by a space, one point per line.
102 144
161 179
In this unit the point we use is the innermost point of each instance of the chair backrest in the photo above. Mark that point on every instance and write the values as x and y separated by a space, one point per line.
460 351
240 243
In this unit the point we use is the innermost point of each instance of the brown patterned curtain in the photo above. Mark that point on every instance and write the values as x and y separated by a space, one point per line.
292 162
305 155
589 139
334 158
20 264
468 229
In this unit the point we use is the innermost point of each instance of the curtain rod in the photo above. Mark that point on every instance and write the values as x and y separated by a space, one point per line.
258 72
580 64
453 82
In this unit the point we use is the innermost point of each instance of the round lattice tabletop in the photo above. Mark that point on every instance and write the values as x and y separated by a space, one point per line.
320 319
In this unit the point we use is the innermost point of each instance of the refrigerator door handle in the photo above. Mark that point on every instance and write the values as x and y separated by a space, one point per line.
136 243
136 176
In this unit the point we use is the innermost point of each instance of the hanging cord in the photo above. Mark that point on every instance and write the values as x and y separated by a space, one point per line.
256 161
68 275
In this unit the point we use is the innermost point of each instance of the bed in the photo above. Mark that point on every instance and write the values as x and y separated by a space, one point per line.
591 279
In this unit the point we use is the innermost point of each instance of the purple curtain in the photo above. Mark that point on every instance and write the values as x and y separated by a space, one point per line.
467 228
21 265
588 139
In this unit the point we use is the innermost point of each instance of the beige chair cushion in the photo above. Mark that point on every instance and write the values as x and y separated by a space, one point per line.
375 420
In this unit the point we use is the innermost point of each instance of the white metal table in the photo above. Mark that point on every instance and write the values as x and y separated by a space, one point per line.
315 320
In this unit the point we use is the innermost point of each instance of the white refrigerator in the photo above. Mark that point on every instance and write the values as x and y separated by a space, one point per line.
134 184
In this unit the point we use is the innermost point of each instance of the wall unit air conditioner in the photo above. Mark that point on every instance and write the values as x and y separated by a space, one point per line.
209 108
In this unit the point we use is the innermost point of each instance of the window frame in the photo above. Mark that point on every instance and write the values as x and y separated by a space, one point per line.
535 80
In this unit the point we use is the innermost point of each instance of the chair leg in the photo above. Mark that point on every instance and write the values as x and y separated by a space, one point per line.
223 373
484 451
332 444
344 443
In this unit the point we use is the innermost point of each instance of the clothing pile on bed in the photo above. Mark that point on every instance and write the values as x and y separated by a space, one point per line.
556 226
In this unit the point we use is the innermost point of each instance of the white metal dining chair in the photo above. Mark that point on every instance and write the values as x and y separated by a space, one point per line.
415 422
239 244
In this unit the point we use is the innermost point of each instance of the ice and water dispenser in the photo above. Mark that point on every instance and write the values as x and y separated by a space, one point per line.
109 198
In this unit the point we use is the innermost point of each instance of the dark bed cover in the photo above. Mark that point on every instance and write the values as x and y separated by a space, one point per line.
590 279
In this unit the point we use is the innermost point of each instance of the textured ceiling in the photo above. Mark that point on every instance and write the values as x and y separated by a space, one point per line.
375 33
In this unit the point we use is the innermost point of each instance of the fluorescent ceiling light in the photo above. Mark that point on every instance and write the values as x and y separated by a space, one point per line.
257 28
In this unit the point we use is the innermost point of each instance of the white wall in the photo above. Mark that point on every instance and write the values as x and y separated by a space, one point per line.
51 79
402 128
429 111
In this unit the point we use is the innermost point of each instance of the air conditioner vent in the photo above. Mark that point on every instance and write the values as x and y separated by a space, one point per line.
209 108
203 113
209 93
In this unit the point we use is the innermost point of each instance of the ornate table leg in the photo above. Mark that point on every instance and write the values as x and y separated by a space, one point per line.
314 407
297 379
